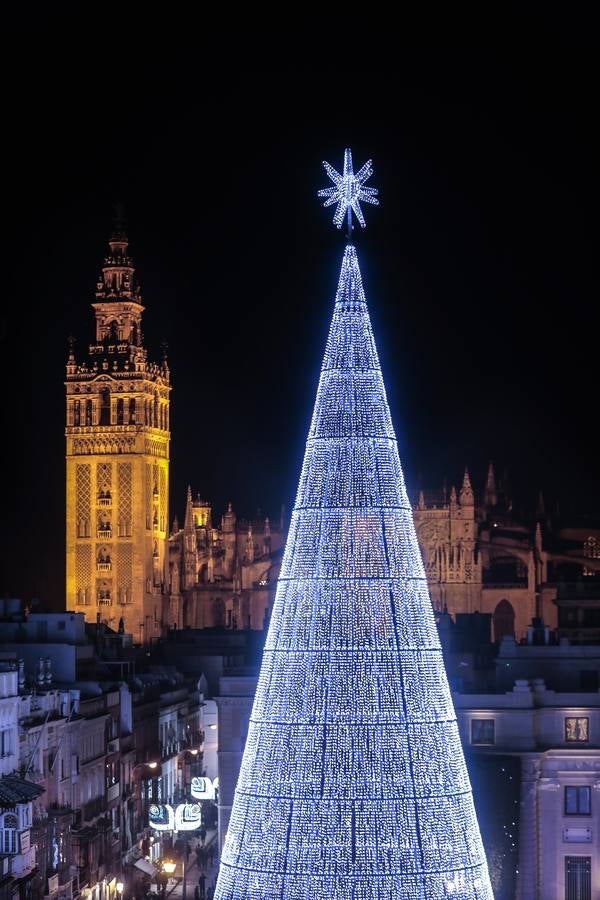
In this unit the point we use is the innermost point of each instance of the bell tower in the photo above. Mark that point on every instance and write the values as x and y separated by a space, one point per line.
117 435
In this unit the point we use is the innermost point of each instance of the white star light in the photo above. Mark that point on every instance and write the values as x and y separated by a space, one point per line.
348 190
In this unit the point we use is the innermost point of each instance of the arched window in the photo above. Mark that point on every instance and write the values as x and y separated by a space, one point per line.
134 334
88 412
120 411
10 823
132 411
113 330
156 412
77 413
105 406
504 620
146 412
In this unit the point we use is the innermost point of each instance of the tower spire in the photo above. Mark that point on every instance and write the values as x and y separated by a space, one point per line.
188 522
353 782
117 280
490 496
466 496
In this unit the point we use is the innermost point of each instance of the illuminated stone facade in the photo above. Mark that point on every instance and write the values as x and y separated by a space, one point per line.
117 436
223 577
480 556
477 558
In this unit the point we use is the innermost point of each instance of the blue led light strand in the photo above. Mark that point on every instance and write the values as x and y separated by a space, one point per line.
353 784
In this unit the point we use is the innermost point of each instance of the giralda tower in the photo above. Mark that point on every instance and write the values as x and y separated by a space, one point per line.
117 434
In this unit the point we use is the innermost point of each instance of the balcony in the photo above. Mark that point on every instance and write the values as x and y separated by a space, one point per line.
104 501
104 601
113 746
104 533
104 567
92 809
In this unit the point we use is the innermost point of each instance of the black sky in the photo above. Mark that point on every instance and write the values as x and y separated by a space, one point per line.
479 265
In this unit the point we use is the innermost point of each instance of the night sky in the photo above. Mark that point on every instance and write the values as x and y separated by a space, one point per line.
478 265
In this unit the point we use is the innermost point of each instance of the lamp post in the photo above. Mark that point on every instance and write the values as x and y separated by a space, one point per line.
120 887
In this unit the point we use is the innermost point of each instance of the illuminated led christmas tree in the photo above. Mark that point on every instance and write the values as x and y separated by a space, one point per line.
353 783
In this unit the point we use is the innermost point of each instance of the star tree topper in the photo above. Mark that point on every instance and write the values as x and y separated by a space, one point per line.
348 190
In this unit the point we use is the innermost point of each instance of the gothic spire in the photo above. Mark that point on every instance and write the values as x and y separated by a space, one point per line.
540 510
490 497
466 496
188 522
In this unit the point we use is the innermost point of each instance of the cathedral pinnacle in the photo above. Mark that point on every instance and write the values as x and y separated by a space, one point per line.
466 496
491 495
188 523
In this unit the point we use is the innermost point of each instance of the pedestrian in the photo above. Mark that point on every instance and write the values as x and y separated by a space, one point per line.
196 893
202 885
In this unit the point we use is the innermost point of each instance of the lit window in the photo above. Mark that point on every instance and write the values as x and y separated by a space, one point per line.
483 731
578 801
577 730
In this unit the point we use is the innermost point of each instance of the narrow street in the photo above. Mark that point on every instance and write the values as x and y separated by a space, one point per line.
175 885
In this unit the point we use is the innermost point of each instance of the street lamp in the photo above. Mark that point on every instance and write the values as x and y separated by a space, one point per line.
120 887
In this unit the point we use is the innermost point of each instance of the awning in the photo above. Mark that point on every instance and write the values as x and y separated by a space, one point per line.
146 867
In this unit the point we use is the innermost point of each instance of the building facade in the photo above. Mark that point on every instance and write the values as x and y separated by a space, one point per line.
481 556
225 576
117 448
557 737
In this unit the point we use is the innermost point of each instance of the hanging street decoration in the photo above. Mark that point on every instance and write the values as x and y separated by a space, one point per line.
185 817
202 788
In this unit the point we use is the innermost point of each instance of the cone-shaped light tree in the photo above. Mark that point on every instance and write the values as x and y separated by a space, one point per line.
353 783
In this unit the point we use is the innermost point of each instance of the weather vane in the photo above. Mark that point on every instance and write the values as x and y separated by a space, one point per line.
348 190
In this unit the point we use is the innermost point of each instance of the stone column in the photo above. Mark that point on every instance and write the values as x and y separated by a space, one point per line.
528 878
